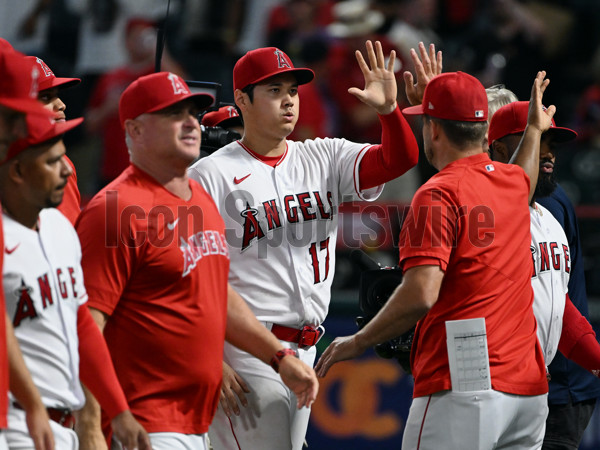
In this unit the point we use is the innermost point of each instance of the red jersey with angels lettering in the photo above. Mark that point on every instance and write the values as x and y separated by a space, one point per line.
472 218
158 266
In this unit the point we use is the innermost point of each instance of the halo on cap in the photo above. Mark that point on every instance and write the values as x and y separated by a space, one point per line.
151 93
47 78
258 65
40 129
354 18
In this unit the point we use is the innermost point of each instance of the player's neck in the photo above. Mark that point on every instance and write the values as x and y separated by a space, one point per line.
174 180
264 146
26 215
451 155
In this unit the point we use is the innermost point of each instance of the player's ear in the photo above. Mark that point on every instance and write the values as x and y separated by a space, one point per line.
133 127
14 170
240 99
500 151
434 129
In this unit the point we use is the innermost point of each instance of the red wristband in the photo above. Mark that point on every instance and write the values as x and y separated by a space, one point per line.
277 357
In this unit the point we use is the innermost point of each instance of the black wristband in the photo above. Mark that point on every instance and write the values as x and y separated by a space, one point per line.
277 357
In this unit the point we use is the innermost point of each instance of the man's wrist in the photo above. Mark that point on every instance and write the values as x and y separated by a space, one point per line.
277 357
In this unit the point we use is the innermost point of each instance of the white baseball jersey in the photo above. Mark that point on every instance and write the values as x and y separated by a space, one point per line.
281 222
43 284
552 265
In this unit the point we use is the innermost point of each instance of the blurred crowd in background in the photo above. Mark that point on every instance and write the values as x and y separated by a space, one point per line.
109 43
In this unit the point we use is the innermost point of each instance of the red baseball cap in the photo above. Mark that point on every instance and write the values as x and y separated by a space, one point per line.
453 96
512 119
156 91
225 116
39 130
262 63
5 45
19 86
48 79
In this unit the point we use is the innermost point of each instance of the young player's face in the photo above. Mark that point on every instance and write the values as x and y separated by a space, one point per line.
174 132
45 172
12 127
49 98
275 106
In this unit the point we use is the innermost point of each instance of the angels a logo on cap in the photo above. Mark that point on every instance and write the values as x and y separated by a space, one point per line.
35 87
179 87
47 71
232 111
282 60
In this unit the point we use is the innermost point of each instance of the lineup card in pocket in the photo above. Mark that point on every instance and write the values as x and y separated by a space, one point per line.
468 355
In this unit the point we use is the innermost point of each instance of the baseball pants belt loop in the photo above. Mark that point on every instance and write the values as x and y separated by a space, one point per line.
305 337
62 416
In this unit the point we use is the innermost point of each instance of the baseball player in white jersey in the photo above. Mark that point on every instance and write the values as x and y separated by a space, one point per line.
551 265
44 290
45 293
549 244
280 200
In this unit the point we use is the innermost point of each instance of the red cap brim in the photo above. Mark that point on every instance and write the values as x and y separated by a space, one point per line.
26 105
416 110
39 136
202 99
561 134
303 76
62 83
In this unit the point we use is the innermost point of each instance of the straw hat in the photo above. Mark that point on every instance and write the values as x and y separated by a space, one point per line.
354 18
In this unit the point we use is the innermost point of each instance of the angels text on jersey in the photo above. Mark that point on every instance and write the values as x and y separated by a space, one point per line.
550 256
26 308
200 245
259 219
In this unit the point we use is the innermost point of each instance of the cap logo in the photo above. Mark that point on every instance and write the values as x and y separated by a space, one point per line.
479 113
282 60
34 89
232 112
179 87
430 106
47 71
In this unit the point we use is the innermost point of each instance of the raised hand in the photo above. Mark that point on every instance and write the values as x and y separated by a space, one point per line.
381 89
539 116
427 66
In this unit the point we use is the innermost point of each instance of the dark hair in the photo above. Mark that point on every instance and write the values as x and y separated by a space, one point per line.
249 90
462 134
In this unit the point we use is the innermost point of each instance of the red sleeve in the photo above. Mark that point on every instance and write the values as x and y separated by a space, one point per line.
108 249
422 261
429 229
578 340
397 153
95 366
